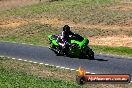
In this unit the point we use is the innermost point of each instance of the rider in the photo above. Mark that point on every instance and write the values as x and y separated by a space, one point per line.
63 37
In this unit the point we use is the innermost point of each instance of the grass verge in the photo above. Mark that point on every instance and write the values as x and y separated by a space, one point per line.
78 11
122 51
13 79
21 74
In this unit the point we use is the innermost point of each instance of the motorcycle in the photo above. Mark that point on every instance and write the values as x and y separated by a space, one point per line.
77 47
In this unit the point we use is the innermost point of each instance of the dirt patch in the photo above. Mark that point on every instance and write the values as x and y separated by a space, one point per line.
13 23
121 7
120 40
9 4
59 23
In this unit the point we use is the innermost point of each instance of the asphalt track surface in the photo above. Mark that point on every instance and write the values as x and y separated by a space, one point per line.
102 64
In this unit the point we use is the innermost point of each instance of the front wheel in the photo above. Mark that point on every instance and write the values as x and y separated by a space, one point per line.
57 50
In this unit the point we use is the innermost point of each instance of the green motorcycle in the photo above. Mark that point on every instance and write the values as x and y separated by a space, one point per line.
78 47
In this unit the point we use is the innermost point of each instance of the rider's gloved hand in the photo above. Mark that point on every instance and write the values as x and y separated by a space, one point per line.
67 43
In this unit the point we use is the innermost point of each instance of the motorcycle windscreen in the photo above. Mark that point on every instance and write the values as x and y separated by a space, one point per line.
54 37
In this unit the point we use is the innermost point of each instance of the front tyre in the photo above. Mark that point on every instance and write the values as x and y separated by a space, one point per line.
56 49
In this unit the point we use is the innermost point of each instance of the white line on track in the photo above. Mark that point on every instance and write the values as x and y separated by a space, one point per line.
19 59
72 69
57 66
62 67
35 62
67 68
31 44
52 65
24 60
46 64
13 58
88 72
41 63
30 61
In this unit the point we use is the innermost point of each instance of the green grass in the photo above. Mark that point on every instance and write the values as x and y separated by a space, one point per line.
21 74
14 79
123 51
37 70
79 11
33 33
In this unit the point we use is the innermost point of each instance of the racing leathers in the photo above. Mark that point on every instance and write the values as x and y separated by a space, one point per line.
62 40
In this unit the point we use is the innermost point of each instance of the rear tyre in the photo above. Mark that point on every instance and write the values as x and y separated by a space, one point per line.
82 56
90 54
87 54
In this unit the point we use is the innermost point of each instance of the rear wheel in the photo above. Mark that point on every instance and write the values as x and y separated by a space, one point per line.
87 53
90 54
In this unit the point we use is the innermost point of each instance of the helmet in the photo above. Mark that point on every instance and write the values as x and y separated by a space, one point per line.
66 28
